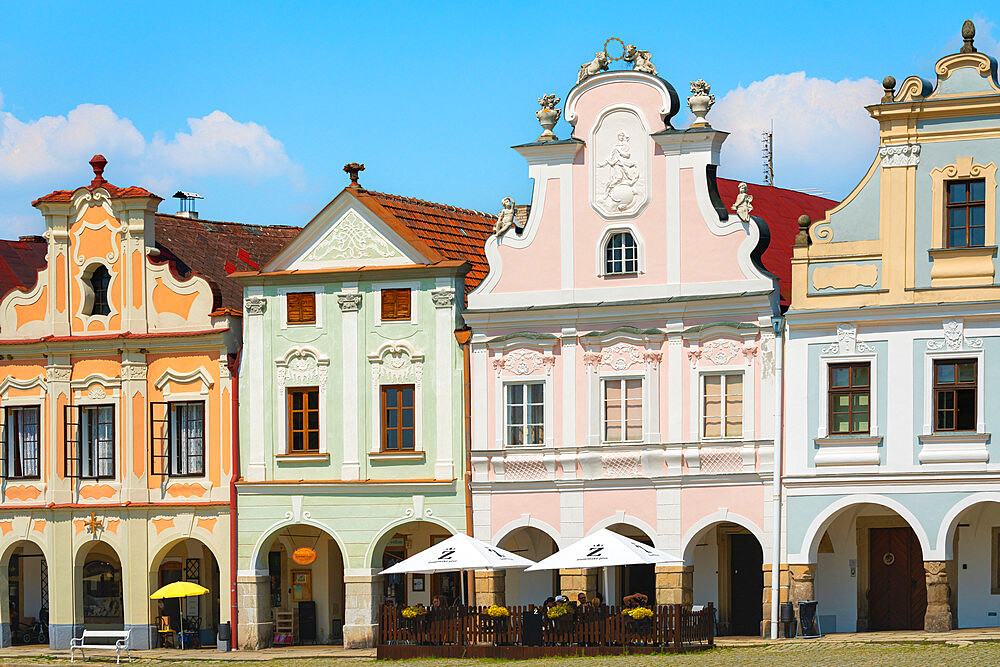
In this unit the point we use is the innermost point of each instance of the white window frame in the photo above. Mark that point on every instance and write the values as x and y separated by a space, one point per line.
724 371
546 402
283 292
112 396
823 428
27 402
412 285
641 376
929 359
86 446
611 230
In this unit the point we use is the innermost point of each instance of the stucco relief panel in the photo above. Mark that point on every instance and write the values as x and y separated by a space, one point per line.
523 362
620 164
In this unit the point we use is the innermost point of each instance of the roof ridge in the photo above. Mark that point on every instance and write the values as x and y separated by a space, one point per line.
449 207
227 222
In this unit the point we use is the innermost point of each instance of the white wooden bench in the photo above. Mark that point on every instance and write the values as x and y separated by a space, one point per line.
98 640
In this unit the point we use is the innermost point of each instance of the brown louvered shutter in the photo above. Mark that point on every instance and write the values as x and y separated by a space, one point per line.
395 304
301 307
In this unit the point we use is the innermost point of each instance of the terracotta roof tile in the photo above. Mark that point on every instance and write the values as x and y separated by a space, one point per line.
205 247
115 192
20 262
781 209
456 233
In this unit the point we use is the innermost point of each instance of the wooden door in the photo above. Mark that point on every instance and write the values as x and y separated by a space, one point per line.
746 585
897 593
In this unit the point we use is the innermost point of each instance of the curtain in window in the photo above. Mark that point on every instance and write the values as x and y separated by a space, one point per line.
106 441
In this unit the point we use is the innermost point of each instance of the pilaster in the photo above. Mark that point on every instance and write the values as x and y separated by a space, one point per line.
575 581
253 384
444 323
675 584
350 303
362 599
801 585
491 588
134 401
255 628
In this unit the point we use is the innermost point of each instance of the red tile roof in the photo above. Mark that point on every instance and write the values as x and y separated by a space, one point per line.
20 262
115 192
780 209
455 233
205 247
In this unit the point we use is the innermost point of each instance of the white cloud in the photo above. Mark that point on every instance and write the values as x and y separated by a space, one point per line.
823 136
40 151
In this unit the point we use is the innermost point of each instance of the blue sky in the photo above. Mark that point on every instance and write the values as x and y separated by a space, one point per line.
259 105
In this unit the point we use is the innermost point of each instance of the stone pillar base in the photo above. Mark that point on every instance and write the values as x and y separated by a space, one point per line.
491 588
573 582
360 636
801 586
142 636
61 633
675 584
938 617
254 629
765 625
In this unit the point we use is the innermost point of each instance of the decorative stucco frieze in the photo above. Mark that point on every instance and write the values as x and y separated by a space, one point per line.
254 305
847 342
622 356
720 352
96 393
900 155
133 371
302 367
397 363
954 338
349 301
524 362
58 373
591 358
653 358
443 297
352 238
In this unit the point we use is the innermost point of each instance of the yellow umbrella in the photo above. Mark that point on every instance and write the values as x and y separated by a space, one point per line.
179 589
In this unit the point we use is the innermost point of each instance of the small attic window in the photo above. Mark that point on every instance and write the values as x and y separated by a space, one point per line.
98 282
621 254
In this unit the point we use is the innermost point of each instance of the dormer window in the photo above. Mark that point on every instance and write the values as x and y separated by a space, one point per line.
621 254
966 214
98 283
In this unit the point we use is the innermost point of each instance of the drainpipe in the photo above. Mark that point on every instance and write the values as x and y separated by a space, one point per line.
463 336
779 381
235 468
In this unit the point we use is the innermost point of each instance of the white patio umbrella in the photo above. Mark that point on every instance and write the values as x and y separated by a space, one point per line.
459 553
603 548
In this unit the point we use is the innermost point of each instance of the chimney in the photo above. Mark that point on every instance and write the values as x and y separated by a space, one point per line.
187 203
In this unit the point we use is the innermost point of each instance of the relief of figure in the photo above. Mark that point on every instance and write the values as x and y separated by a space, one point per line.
598 64
743 205
505 218
641 60
620 188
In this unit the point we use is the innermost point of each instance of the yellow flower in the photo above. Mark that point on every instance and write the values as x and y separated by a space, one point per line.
496 610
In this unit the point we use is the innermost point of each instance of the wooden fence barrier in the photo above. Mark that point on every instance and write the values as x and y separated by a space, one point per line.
527 632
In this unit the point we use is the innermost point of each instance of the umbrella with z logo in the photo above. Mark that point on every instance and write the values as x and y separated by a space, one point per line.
604 548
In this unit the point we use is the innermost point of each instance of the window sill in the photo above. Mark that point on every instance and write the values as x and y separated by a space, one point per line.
954 447
847 450
962 267
376 457
304 457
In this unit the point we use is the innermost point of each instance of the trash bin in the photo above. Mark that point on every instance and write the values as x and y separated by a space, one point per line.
225 637
808 620
786 616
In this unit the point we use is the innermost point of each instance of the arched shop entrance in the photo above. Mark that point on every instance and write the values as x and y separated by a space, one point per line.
728 571
630 579
188 560
407 540
102 606
525 588
28 594
305 569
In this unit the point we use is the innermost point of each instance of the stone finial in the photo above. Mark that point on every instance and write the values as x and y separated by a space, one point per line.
700 101
353 169
968 33
889 86
802 238
98 163
548 116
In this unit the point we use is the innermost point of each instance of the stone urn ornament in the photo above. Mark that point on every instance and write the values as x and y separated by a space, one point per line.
700 101
548 116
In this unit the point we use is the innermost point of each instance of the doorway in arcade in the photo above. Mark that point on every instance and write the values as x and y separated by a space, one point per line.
28 594
189 560
728 571
407 590
629 579
306 572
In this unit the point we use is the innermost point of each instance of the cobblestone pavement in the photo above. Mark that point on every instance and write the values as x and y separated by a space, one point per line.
791 654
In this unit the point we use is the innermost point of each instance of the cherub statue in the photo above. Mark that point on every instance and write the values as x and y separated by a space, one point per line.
505 218
743 205
641 60
598 64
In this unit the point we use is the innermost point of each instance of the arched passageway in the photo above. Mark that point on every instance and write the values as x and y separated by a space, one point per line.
403 541
99 583
629 579
27 594
187 560
728 571
525 588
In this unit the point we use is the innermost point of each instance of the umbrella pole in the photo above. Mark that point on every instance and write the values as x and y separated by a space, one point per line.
182 621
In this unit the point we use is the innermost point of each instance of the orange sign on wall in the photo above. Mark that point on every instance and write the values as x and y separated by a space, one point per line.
304 555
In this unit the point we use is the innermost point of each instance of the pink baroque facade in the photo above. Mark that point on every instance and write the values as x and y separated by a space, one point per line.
622 368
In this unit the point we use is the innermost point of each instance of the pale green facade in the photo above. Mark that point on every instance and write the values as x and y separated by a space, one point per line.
350 499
